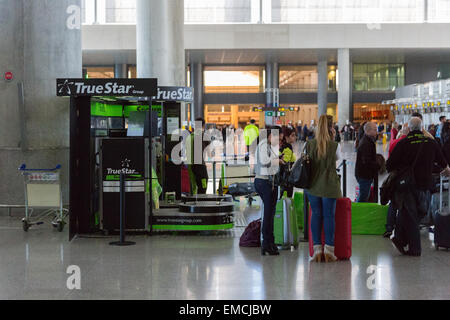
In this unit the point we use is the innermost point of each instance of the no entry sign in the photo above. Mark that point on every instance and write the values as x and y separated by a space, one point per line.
9 76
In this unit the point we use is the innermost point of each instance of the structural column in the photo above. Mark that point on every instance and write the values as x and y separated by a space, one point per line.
160 41
121 70
197 108
345 108
33 121
272 82
322 92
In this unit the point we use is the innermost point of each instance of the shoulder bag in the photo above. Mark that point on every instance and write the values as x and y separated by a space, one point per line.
300 175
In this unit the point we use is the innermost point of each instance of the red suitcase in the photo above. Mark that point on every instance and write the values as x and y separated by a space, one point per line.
343 230
185 181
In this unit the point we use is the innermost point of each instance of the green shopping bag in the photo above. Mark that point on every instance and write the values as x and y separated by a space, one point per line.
368 218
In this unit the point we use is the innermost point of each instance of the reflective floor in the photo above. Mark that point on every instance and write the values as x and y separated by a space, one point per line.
34 265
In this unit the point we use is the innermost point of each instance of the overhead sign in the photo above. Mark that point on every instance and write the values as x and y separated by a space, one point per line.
185 94
8 76
106 87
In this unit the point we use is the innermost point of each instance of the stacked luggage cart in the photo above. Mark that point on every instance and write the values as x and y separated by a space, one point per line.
43 192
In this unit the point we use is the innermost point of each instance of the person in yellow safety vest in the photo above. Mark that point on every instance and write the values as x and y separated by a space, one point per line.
197 172
288 156
251 133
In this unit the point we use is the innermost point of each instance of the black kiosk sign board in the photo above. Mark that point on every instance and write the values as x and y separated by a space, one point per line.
106 87
81 181
126 156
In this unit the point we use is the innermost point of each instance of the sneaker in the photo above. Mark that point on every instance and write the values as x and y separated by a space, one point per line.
387 234
398 245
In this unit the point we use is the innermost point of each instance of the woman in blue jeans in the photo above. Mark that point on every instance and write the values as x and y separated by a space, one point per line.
325 188
266 166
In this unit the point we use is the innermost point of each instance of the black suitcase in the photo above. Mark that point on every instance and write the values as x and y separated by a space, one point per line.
241 189
441 219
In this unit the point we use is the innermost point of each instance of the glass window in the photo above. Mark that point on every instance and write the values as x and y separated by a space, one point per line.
378 77
438 11
100 72
234 79
235 114
83 11
371 111
218 11
345 11
132 72
298 78
120 11
332 71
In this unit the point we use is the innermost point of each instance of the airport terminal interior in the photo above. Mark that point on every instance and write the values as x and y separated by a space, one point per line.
128 130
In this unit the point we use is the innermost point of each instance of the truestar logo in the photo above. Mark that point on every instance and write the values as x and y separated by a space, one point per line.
174 94
64 88
126 163
108 88
125 168
119 171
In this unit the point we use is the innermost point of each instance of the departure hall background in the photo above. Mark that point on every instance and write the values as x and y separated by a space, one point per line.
277 62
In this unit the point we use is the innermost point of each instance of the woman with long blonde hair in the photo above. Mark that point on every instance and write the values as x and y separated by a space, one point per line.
325 187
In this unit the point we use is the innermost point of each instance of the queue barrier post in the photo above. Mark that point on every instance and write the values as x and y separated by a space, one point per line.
122 241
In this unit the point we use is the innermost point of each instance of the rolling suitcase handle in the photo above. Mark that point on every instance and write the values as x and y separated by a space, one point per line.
441 194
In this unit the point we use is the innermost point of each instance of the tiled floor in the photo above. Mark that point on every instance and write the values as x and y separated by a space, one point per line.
210 266
33 266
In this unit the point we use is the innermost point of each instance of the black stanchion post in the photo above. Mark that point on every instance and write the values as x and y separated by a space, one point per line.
122 241
344 173
214 177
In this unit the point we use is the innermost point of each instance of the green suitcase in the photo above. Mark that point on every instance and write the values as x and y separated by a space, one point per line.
286 231
298 207
368 218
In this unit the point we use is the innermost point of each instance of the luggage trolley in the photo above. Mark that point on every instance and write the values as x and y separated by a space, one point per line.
43 191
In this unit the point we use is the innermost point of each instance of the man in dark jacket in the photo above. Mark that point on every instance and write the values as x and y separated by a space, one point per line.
366 161
413 202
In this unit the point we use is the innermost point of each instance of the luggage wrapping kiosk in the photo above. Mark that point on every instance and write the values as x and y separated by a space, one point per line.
82 189
89 165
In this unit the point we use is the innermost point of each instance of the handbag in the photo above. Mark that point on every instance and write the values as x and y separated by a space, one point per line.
282 176
300 175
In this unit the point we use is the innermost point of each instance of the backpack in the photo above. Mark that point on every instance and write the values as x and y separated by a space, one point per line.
399 181
252 235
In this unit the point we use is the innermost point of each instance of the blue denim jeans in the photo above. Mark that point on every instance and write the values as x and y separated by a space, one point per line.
269 198
323 212
364 189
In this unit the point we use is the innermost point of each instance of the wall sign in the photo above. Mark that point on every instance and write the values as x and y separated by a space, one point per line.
179 94
106 87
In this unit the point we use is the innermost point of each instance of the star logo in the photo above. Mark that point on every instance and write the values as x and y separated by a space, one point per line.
126 163
64 88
